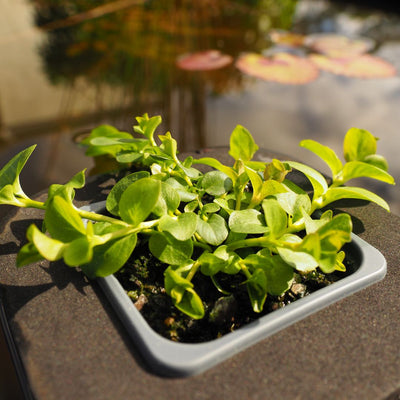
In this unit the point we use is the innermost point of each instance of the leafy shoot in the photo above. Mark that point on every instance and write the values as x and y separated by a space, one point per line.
247 218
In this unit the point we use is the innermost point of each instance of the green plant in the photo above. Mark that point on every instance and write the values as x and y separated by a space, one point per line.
247 219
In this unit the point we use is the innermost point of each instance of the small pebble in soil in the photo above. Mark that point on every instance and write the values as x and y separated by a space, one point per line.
141 301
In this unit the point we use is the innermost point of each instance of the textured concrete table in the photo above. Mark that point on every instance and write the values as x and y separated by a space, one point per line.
71 345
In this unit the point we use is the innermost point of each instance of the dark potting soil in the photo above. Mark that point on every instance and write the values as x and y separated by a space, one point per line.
143 280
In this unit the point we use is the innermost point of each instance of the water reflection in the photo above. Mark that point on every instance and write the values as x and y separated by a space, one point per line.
107 61
132 47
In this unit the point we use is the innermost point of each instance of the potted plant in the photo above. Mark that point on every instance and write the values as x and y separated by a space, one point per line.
238 251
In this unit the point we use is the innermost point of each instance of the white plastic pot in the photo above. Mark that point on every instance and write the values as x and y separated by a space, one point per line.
170 358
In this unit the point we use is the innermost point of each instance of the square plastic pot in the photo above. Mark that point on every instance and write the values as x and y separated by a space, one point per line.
169 358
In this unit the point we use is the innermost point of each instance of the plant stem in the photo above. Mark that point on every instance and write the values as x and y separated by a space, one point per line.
101 218
193 270
128 230
296 227
252 242
29 203
245 270
201 243
218 286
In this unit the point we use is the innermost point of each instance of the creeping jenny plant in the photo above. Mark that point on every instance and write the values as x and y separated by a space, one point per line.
248 218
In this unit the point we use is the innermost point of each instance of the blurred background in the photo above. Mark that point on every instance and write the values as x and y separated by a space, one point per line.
287 70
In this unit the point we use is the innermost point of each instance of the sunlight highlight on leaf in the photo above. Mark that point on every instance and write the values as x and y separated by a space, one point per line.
280 67
204 60
363 66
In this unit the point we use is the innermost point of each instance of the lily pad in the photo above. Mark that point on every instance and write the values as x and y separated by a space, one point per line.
279 67
204 60
338 46
362 66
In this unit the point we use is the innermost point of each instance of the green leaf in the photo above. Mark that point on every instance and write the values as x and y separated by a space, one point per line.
168 200
227 204
28 254
312 225
182 227
279 274
115 146
108 258
94 143
183 295
339 261
377 161
257 289
63 221
294 204
276 170
169 145
298 259
335 233
247 221
210 264
256 181
328 262
7 196
114 197
173 278
107 131
192 206
147 126
210 208
311 244
317 180
242 145
189 302
102 228
319 248
256 165
212 162
325 153
186 166
139 200
358 144
170 250
78 252
275 216
10 187
108 141
262 189
349 192
182 189
192 173
214 231
49 248
216 183
232 260
357 169
128 157
67 191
